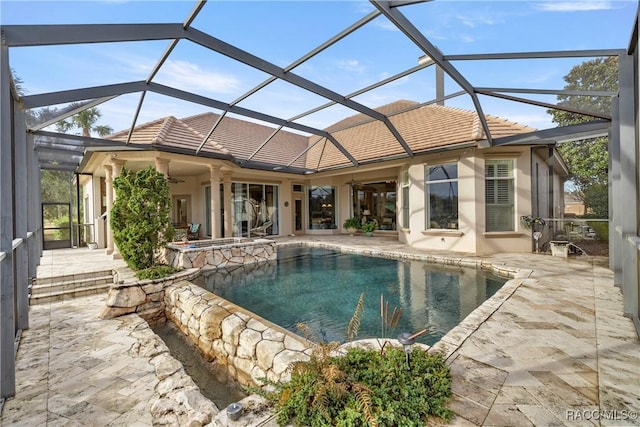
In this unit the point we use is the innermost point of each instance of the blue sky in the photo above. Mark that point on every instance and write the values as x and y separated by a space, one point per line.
283 31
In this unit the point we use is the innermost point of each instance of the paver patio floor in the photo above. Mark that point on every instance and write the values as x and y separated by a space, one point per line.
558 351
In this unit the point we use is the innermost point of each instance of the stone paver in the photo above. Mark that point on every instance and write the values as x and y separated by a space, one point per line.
65 376
556 350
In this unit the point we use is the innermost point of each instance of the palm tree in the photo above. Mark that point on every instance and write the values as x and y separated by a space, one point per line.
84 120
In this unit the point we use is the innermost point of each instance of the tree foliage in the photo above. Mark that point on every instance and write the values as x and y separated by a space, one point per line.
140 216
85 121
55 186
588 159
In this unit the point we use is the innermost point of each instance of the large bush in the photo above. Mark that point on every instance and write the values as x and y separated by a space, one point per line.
140 216
601 228
364 388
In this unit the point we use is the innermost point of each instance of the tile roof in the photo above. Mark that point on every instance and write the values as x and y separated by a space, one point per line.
423 128
167 131
242 138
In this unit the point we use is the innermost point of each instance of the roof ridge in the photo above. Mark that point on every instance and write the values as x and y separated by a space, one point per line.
477 132
508 121
141 126
209 141
206 113
164 130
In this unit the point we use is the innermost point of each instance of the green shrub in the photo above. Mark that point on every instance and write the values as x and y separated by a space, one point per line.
352 222
368 227
62 231
601 228
140 216
156 272
364 388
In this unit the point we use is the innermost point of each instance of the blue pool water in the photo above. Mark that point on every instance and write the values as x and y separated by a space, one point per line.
321 288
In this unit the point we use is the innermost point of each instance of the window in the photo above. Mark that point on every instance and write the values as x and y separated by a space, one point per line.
253 206
181 210
405 199
322 214
441 184
376 202
499 195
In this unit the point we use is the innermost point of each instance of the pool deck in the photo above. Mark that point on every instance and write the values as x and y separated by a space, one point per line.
556 351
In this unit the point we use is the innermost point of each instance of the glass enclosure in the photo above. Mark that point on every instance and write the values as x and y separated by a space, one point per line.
322 207
376 201
441 183
254 209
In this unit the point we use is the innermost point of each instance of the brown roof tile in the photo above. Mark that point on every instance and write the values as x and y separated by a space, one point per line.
422 127
242 138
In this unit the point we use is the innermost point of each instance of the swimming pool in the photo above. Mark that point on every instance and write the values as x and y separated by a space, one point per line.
321 288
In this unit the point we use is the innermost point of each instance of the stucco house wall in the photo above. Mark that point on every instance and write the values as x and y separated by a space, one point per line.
458 143
471 235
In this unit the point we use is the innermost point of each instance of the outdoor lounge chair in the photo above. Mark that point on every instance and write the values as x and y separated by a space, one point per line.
261 230
192 232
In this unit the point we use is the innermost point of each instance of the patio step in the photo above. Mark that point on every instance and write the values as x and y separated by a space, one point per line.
60 288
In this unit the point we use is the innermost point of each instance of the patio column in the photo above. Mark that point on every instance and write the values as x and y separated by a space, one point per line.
228 225
162 166
117 169
108 177
216 218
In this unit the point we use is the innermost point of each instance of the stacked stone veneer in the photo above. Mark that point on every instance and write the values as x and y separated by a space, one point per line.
144 297
223 255
251 347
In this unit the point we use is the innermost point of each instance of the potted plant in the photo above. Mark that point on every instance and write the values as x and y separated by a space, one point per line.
368 227
351 224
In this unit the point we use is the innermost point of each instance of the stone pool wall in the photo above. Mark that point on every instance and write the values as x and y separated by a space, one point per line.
251 347
219 254
144 297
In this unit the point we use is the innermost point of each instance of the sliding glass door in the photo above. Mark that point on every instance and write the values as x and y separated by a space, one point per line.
253 209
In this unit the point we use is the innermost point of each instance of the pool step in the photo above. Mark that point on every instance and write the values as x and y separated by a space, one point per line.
70 286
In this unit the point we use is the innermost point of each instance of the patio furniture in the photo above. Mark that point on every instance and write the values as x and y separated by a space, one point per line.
192 233
180 233
261 230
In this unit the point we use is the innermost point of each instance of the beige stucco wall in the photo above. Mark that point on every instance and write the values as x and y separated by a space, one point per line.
469 237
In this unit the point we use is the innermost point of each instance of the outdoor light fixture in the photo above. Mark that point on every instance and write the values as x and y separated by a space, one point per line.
234 411
407 340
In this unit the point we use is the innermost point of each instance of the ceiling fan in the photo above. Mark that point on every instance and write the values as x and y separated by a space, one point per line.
353 183
174 180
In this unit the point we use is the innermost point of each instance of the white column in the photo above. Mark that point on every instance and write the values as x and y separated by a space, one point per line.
108 169
162 166
117 169
216 219
228 225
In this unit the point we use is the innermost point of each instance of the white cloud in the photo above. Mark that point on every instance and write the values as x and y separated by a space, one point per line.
352 65
384 24
466 38
474 21
181 74
190 76
574 6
